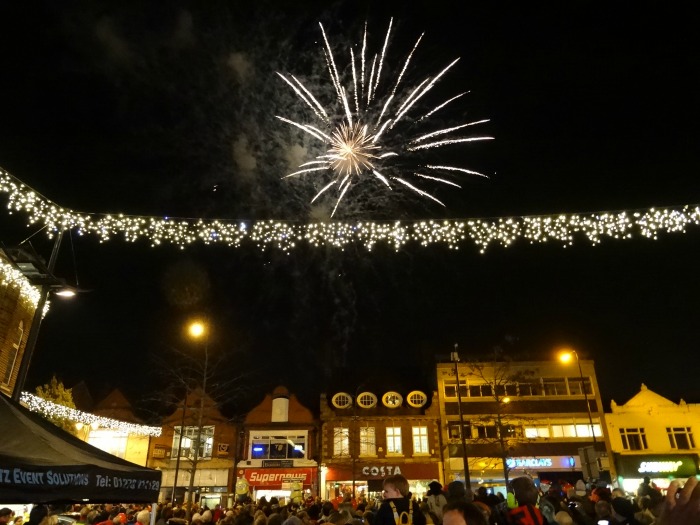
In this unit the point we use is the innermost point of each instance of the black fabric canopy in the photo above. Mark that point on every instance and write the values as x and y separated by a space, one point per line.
40 463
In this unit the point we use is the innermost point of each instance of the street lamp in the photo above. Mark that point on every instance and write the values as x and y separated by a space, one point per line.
565 356
454 357
198 331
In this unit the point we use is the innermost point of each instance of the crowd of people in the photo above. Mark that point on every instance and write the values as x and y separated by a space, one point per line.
526 504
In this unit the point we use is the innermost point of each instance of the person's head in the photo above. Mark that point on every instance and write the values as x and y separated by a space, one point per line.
603 509
460 512
395 487
622 508
456 490
435 488
143 517
647 480
38 513
524 490
5 515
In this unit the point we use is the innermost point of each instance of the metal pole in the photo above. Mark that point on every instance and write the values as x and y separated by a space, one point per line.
198 442
465 458
179 445
36 324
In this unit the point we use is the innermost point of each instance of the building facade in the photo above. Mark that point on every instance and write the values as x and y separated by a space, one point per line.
279 452
653 436
213 471
506 419
367 437
18 302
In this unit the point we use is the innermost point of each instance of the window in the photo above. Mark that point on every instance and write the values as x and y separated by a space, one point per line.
536 432
278 445
633 438
506 390
450 389
453 430
341 400
530 389
368 441
480 390
366 400
12 359
188 436
416 399
341 442
554 386
393 440
392 400
420 440
485 431
575 386
680 437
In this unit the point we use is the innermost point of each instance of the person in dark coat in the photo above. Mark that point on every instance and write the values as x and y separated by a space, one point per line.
397 506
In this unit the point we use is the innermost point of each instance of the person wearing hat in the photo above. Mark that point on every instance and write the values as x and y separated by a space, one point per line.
623 512
436 499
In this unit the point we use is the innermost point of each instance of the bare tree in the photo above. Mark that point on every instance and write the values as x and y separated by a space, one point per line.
500 428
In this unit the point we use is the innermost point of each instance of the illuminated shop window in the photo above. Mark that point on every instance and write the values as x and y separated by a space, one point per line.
680 438
633 438
111 441
393 440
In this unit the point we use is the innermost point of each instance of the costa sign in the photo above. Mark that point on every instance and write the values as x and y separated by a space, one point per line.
274 477
383 470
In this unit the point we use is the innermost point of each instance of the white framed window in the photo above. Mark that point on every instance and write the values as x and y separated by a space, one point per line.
537 432
341 400
420 440
416 399
366 400
392 400
393 440
633 438
188 435
341 442
680 438
368 441
278 444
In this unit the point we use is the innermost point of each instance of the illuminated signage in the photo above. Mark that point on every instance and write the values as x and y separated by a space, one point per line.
529 462
659 466
384 470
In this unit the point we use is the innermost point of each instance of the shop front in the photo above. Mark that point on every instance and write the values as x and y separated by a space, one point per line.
660 468
280 482
338 479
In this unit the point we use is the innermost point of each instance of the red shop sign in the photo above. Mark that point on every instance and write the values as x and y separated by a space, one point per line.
274 477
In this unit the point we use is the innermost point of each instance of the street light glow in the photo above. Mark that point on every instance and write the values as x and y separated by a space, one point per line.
196 329
566 356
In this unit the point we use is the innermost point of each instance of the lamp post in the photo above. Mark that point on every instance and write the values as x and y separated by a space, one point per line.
198 330
29 263
454 357
565 357
179 446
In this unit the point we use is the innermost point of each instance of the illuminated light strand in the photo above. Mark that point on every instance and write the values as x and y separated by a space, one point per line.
504 231
11 277
48 408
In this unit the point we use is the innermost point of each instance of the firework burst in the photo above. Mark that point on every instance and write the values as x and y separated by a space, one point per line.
361 132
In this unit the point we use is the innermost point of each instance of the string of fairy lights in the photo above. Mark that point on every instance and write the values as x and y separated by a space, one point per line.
48 408
503 231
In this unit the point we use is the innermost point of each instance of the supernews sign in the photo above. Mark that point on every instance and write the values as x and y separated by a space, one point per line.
274 477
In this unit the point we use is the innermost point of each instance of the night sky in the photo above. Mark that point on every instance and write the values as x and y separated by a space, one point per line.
160 110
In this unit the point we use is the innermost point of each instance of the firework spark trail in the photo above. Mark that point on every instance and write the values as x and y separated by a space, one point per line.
360 143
